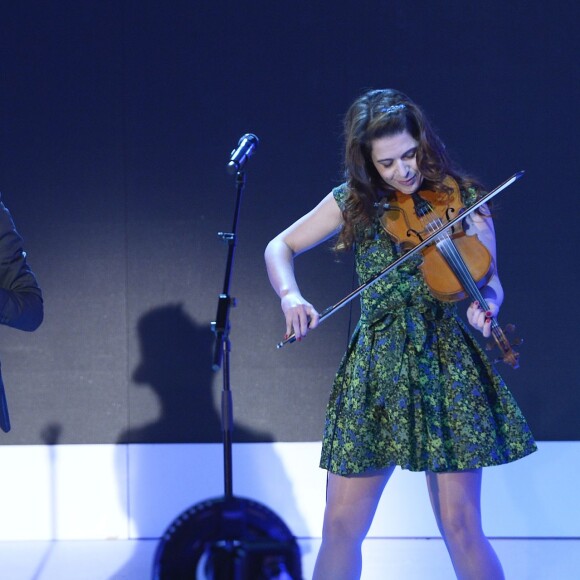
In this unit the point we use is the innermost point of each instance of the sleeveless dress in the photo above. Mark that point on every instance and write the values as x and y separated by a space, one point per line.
414 387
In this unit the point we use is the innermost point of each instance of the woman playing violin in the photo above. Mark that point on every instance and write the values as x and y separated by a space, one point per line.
414 388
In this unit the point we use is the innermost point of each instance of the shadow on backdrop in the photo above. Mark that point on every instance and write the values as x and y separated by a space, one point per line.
176 364
176 361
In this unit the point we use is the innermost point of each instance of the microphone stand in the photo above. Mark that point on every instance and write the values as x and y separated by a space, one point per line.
222 346
229 537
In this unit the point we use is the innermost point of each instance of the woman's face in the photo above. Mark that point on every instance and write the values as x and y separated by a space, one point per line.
395 158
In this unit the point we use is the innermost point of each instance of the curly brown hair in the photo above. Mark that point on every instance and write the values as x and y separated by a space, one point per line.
376 114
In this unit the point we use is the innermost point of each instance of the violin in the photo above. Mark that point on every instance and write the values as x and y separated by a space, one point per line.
455 265
435 228
409 219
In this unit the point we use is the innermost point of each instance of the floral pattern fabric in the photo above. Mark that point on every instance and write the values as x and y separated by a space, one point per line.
414 388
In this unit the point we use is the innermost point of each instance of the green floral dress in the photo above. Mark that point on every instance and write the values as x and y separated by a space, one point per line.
414 388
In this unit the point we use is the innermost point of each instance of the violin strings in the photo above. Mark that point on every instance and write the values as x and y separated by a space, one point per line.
457 264
459 267
455 260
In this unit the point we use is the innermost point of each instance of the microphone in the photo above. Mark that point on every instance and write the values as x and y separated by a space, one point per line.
246 147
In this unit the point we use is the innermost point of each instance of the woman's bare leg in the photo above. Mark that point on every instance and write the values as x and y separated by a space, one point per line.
350 507
455 498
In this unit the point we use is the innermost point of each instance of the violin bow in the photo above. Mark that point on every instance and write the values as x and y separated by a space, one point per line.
327 312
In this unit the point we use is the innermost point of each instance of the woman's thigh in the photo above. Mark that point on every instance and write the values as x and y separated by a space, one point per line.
352 501
455 498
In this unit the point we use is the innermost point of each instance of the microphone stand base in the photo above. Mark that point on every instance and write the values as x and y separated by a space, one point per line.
228 539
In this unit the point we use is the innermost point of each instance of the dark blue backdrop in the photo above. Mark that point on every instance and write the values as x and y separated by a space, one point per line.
118 117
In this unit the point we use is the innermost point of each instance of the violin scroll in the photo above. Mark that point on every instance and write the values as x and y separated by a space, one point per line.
509 355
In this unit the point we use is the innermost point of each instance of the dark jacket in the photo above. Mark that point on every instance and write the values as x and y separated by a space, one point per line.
20 296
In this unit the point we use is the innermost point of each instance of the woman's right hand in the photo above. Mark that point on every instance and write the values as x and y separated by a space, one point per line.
300 315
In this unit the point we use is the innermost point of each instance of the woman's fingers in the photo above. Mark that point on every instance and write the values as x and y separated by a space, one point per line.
300 318
486 330
481 319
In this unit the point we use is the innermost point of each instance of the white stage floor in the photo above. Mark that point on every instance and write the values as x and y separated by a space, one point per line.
400 559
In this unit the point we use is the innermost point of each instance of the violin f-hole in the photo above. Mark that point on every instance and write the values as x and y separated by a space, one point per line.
411 232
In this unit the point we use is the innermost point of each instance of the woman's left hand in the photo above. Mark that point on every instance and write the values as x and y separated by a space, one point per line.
481 319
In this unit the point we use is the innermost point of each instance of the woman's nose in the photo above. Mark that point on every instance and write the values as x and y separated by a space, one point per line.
402 168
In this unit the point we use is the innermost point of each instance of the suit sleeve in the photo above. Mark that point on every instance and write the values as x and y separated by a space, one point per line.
21 303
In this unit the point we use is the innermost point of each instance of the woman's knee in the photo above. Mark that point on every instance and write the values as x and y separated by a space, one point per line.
340 525
459 525
456 505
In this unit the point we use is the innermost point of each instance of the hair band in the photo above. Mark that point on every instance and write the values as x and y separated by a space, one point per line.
392 109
